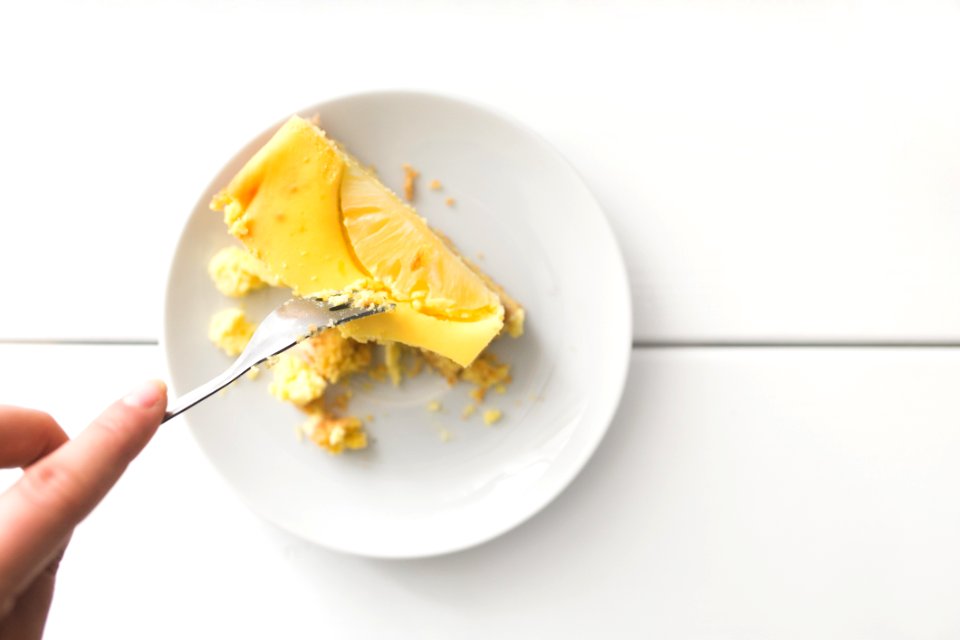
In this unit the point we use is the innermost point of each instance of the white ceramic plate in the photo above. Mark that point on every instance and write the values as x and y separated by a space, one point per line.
541 234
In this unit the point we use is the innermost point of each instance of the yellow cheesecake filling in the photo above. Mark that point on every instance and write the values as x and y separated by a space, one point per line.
318 220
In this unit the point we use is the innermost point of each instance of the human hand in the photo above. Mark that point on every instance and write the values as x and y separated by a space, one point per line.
62 482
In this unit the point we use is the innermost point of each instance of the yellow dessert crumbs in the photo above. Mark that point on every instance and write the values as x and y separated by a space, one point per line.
490 416
486 372
341 401
254 373
306 375
334 434
303 376
414 363
409 178
230 330
446 367
333 356
294 380
393 355
378 373
356 297
236 273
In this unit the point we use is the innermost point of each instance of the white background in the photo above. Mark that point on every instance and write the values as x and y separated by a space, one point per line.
777 173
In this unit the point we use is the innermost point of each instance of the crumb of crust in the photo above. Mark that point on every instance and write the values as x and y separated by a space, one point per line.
335 357
356 296
491 416
392 357
450 202
336 299
295 380
500 388
315 119
254 373
435 185
378 373
414 363
468 411
445 435
341 402
235 272
434 406
446 367
486 372
230 330
364 298
334 434
409 177
368 417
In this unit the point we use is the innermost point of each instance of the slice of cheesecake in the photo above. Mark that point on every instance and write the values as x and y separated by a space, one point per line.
320 221
314 219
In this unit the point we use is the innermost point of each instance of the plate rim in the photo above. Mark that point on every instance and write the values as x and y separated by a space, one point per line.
619 369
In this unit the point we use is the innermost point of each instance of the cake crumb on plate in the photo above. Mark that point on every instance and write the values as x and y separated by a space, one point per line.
491 416
409 177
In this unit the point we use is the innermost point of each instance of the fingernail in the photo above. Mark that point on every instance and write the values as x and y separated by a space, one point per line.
146 395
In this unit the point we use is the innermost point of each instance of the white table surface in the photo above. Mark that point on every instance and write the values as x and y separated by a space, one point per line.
782 173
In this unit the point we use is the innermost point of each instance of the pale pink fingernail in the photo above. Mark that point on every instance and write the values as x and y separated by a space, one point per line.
146 395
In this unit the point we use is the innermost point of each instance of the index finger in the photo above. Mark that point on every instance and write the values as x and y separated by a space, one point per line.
55 494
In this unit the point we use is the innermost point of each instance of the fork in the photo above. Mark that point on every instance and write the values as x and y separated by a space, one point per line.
292 322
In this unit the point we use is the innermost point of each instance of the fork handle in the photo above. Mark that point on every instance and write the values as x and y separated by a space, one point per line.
201 393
